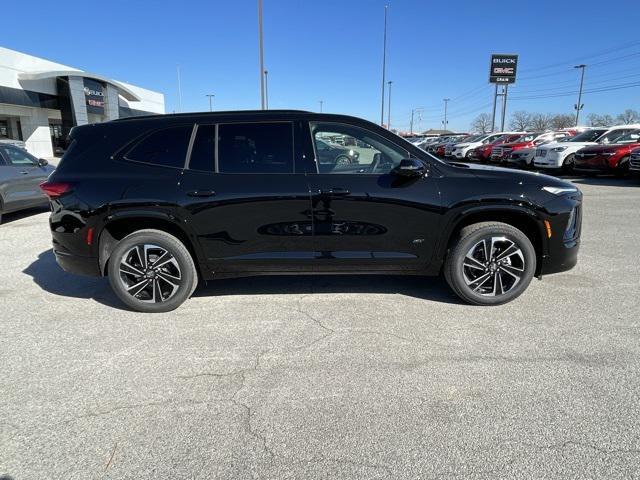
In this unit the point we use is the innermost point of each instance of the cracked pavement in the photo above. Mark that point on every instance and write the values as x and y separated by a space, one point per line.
326 377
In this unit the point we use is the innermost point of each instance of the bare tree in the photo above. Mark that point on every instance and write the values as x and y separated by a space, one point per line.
596 120
562 120
541 121
520 120
482 123
628 116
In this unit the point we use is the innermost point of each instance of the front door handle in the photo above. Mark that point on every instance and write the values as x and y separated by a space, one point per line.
335 192
24 172
201 193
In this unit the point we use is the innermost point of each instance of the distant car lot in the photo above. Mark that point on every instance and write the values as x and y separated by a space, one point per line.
348 377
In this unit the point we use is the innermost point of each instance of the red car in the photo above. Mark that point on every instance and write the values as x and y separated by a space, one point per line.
528 140
483 152
607 158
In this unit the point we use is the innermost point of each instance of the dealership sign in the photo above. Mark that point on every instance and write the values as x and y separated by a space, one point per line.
503 68
94 93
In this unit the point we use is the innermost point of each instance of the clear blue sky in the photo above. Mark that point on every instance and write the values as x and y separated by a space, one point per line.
331 50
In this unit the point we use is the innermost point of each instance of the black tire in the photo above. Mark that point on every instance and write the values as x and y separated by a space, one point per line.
181 273
623 167
343 160
455 270
567 165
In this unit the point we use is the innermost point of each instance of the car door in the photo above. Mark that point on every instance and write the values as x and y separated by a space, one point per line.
22 189
248 204
365 217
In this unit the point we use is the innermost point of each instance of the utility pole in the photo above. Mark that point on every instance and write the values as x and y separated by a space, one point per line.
210 95
413 111
261 47
504 105
579 105
445 122
266 89
384 64
320 102
389 108
179 90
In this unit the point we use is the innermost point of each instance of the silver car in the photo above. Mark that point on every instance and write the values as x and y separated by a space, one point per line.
20 177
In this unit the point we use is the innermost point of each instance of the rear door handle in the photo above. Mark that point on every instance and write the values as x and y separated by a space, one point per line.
336 192
201 193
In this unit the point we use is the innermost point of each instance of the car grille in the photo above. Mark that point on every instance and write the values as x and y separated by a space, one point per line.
634 161
540 152
496 152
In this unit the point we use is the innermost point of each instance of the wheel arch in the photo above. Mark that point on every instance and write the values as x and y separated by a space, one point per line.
522 218
124 223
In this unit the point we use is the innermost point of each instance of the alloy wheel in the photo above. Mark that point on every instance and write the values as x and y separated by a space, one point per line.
150 273
493 266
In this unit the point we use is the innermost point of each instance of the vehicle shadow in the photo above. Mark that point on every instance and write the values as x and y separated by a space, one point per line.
48 275
19 215
425 288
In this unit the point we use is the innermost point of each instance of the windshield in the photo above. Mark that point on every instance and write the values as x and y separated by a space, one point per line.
588 136
525 138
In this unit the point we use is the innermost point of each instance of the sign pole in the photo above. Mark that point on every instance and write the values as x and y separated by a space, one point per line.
504 105
493 116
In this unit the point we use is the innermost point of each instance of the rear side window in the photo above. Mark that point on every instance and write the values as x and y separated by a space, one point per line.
166 147
255 147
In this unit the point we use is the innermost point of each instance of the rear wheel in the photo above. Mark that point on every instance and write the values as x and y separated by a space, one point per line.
567 165
491 263
152 271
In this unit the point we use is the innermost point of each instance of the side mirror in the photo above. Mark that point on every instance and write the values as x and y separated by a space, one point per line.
410 167
42 162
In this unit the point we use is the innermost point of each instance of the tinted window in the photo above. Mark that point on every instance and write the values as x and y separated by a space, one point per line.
204 149
343 148
255 148
166 147
18 157
588 136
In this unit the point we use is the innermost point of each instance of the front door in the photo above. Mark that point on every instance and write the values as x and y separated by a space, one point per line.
365 217
247 204
23 188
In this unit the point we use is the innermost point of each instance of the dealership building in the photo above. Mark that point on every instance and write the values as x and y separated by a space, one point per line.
40 101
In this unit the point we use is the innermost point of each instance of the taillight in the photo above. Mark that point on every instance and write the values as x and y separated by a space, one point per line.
55 189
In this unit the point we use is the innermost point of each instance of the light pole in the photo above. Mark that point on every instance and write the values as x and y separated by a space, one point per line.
261 48
413 111
321 102
210 95
179 89
266 89
389 107
384 64
445 121
579 105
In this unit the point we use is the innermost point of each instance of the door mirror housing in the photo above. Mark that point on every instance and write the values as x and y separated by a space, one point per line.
410 167
42 162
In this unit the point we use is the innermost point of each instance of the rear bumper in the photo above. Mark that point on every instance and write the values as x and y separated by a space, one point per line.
87 266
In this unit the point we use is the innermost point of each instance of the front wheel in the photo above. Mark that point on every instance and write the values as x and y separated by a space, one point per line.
491 263
152 271
569 162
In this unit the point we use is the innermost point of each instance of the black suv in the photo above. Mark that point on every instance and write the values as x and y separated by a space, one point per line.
158 203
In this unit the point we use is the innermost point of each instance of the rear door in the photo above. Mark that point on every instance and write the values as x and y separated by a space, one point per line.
247 197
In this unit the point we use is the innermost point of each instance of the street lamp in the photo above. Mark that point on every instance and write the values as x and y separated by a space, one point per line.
261 51
445 122
413 111
266 89
578 106
210 95
384 64
320 102
389 107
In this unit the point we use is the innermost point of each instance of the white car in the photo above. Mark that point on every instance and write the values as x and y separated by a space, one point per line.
561 154
523 157
461 150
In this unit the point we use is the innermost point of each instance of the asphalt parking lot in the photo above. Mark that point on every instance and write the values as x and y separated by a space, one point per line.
347 377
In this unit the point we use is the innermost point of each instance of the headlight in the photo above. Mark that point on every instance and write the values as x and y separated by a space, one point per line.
559 149
560 190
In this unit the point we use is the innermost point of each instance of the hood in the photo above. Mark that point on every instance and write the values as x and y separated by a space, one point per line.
497 174
462 145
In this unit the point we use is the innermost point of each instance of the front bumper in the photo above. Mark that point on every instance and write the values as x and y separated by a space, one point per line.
596 164
552 160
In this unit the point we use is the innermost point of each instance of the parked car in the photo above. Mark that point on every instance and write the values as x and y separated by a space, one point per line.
561 155
634 161
522 155
501 153
438 148
483 153
15 143
335 154
610 158
463 150
20 176
450 145
158 202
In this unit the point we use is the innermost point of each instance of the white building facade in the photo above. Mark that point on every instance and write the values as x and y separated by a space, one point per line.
40 101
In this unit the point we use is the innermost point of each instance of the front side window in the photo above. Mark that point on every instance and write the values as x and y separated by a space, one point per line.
166 147
588 136
255 147
343 148
613 136
18 157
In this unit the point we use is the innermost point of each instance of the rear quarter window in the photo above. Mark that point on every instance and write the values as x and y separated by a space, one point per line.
166 147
